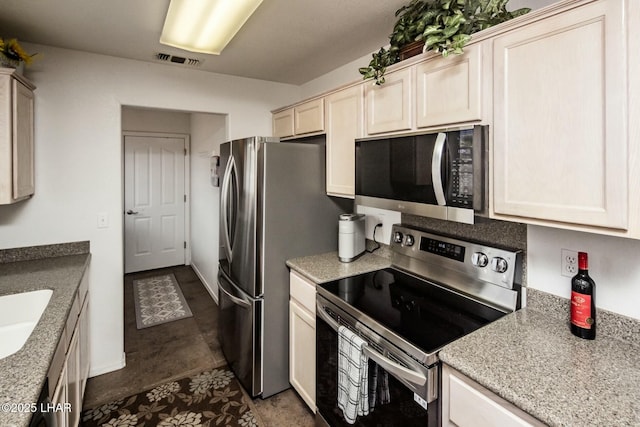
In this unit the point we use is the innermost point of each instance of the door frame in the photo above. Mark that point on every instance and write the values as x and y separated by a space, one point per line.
187 185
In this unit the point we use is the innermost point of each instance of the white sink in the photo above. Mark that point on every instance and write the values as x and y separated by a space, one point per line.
19 314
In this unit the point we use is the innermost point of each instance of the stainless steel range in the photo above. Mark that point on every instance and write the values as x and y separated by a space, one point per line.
438 290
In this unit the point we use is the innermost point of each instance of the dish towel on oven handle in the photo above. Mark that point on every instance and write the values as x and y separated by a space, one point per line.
353 372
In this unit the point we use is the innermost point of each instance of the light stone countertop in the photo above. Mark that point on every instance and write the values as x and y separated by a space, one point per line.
532 360
327 267
22 374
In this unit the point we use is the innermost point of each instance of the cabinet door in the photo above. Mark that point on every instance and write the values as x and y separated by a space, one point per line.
74 382
344 126
60 398
283 123
83 345
466 403
23 171
560 145
309 117
390 105
449 89
302 353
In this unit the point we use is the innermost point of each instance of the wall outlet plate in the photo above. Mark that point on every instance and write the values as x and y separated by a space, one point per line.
374 216
569 262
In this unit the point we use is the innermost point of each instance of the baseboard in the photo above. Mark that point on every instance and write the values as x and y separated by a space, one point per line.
94 371
204 282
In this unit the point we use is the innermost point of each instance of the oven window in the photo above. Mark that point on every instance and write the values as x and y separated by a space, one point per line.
393 403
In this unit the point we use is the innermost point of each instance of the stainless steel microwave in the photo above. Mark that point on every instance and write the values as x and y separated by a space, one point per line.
441 174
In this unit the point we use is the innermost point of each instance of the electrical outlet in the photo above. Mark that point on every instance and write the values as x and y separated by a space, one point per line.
376 216
569 262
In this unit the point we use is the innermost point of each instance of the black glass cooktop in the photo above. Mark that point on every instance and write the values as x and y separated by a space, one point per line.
427 315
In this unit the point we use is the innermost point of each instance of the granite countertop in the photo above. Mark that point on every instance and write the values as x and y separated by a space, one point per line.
327 267
532 360
22 374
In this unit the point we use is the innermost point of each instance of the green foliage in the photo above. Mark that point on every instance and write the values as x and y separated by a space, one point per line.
444 25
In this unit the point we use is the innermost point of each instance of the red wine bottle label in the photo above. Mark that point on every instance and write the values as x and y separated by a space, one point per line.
581 310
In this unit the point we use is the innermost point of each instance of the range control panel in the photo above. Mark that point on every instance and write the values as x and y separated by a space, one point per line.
480 262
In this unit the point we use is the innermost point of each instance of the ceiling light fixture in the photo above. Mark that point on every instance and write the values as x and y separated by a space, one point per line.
205 26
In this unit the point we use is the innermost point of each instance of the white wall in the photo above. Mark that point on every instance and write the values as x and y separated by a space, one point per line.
207 132
78 157
154 120
613 264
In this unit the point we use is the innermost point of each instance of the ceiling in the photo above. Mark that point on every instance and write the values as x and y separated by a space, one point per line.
288 41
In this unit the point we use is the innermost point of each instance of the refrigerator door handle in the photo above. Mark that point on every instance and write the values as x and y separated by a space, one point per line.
237 301
229 223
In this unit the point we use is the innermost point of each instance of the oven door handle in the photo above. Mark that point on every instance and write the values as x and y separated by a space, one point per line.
394 368
387 364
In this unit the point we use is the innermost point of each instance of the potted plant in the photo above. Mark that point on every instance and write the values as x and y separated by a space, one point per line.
441 25
12 55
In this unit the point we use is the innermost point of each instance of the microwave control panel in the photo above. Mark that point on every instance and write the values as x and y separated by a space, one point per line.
460 145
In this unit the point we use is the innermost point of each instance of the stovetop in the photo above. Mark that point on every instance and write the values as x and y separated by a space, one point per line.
438 290
427 315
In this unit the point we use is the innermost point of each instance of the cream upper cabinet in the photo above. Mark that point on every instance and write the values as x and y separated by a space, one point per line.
283 123
301 119
560 143
16 137
448 90
309 117
466 403
389 107
344 125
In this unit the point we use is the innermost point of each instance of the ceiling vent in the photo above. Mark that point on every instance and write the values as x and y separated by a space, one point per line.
165 57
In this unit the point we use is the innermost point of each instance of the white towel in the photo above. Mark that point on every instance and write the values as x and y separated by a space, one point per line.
353 389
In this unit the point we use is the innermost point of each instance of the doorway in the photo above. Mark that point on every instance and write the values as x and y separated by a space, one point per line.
155 200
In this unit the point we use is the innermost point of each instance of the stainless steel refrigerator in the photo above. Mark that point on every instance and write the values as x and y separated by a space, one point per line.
273 207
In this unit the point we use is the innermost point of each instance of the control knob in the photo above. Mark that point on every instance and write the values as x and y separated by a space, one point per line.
479 259
409 240
499 265
397 237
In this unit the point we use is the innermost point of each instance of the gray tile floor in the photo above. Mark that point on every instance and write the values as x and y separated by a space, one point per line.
178 349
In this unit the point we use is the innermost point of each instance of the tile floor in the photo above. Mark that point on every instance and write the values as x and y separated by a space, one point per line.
177 349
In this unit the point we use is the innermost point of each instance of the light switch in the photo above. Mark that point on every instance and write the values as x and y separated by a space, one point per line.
103 220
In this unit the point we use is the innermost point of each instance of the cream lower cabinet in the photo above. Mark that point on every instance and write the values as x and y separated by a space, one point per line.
344 124
561 152
70 366
16 137
302 338
466 403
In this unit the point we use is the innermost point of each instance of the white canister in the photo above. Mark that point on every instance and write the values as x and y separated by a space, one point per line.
351 236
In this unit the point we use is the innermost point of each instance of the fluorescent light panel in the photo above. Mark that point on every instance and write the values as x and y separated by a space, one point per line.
205 26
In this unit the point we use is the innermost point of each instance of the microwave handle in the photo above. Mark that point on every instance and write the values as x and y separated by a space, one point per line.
436 168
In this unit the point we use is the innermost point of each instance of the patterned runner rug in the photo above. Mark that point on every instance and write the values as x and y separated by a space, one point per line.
211 398
158 300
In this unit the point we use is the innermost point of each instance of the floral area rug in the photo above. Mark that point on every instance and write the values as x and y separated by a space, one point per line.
158 300
211 398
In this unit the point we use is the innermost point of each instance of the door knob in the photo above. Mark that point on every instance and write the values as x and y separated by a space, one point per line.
130 212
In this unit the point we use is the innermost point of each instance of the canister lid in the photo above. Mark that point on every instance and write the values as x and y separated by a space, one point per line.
351 217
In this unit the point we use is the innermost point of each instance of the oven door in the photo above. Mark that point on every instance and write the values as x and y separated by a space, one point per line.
399 387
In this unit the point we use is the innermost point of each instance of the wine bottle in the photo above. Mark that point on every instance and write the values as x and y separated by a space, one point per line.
583 301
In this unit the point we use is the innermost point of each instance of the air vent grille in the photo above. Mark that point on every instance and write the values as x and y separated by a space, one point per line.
165 57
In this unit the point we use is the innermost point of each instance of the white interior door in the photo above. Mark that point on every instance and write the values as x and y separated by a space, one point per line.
154 202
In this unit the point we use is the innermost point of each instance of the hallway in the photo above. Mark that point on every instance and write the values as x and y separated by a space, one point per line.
178 349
